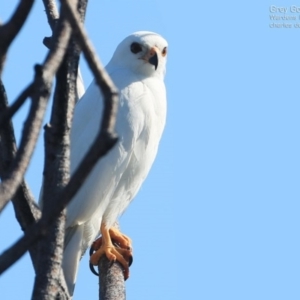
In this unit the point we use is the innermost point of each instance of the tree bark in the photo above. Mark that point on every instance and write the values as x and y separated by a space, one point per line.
56 172
111 280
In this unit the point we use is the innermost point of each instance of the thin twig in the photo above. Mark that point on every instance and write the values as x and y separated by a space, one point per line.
8 151
8 113
29 213
9 31
32 126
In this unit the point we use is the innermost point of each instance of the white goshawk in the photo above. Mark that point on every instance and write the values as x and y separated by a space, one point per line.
137 68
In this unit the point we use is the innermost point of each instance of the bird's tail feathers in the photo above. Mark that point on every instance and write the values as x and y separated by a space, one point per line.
72 255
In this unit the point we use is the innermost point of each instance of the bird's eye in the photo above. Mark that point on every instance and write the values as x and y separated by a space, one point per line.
164 52
135 48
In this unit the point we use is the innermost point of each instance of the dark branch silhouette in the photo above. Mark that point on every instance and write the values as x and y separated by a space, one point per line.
8 112
56 171
51 12
9 31
44 233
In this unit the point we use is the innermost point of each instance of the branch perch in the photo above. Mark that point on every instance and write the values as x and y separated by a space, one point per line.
111 280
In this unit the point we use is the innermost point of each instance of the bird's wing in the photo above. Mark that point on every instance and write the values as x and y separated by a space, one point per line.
80 89
72 255
147 119
84 213
94 196
86 123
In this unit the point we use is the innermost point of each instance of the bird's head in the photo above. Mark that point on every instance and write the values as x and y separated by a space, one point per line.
142 52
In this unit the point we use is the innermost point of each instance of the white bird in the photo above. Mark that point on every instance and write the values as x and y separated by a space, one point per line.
137 68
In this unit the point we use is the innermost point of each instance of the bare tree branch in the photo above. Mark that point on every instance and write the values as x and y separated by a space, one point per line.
56 173
111 280
42 83
7 114
27 212
51 65
104 141
9 179
8 150
31 129
10 30
49 282
7 138
106 85
52 12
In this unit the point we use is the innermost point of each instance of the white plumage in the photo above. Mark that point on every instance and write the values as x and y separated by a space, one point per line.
137 68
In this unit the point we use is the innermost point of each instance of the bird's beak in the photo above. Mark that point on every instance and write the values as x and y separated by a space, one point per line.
151 57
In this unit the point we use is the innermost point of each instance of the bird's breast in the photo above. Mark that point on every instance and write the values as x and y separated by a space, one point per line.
117 177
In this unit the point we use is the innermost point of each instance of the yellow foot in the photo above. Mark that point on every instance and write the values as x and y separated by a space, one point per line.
126 251
117 238
121 239
121 252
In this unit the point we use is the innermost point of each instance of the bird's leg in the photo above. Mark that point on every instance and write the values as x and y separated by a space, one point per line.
121 239
112 253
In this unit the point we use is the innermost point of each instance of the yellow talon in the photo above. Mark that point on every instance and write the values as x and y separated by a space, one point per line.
104 245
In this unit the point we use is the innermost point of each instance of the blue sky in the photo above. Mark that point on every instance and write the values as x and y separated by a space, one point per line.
218 216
